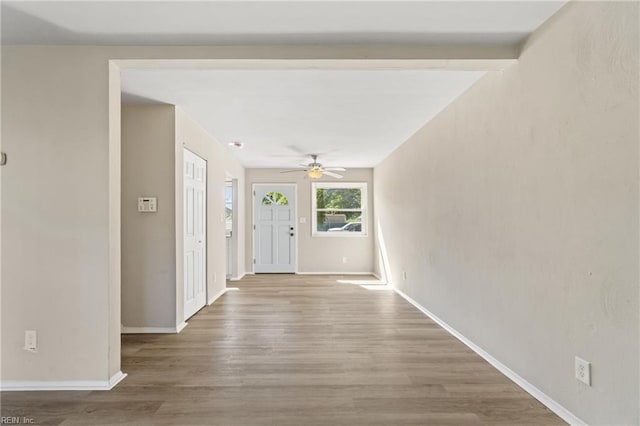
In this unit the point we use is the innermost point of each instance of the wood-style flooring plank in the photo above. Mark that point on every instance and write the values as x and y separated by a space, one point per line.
296 350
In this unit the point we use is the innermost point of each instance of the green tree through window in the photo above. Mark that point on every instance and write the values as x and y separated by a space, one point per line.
275 198
338 198
339 208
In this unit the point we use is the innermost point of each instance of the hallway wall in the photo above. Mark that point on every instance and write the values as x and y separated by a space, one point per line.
148 239
515 211
220 164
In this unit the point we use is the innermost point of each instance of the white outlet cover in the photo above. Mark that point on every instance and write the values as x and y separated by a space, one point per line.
30 341
583 371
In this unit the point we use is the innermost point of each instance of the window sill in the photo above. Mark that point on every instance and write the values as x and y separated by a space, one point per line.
339 234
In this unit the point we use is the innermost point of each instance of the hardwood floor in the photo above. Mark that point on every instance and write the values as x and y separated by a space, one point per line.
296 350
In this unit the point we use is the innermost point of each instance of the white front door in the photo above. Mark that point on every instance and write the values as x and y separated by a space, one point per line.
195 230
274 228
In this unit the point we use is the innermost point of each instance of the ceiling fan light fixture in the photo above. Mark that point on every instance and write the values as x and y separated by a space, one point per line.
315 173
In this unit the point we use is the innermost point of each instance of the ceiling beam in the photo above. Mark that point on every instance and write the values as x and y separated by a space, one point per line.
487 58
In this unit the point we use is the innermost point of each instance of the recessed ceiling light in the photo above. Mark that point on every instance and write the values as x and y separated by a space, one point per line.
236 144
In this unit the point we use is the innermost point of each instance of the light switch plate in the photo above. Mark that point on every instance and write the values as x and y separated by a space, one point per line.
303 220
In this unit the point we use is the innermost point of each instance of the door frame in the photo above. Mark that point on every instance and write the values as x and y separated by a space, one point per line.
253 221
206 233
233 273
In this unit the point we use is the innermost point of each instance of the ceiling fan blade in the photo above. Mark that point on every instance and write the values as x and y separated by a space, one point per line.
297 150
335 175
295 170
336 169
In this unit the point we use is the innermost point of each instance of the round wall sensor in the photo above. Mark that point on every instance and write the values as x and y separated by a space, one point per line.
236 144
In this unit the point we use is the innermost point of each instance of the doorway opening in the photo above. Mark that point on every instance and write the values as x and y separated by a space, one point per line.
231 226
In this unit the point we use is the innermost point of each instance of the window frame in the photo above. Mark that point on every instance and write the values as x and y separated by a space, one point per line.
340 185
228 184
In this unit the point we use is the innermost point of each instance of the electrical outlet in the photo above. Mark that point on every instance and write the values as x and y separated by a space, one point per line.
30 341
583 371
344 259
404 275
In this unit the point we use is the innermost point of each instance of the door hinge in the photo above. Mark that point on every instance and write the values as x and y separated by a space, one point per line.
254 193
254 261
254 227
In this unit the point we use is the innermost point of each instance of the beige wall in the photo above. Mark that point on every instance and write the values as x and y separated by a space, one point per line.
148 239
55 215
515 211
220 165
316 254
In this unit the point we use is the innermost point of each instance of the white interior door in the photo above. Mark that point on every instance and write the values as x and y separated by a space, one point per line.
195 231
274 228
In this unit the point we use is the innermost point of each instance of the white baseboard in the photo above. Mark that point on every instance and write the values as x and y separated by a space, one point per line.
116 378
378 277
29 385
335 273
545 399
152 330
214 298
238 278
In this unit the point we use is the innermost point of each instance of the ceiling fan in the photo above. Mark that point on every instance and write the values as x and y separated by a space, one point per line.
314 170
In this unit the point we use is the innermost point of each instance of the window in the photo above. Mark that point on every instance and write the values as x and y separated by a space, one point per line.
339 209
277 198
228 207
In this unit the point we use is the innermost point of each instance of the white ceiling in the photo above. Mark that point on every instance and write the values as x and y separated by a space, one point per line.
353 118
273 22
